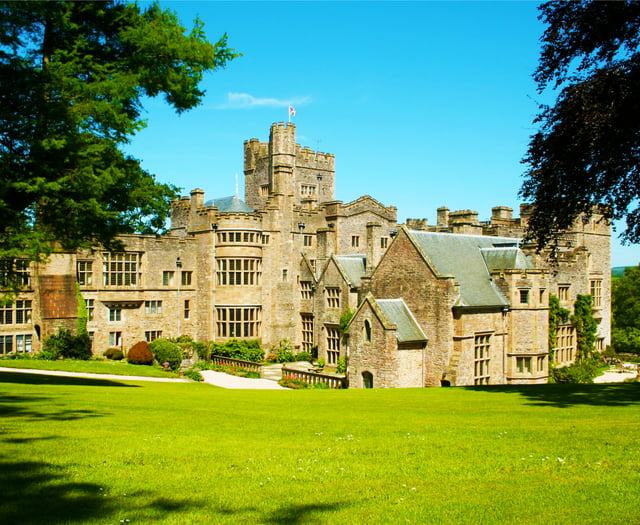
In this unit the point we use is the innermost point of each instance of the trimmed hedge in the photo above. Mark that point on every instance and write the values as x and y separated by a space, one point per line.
139 354
165 351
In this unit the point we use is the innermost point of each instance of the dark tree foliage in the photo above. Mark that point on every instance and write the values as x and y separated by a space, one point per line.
587 151
626 312
72 79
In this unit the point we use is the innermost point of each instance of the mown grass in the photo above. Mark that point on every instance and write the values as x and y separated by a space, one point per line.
97 451
88 367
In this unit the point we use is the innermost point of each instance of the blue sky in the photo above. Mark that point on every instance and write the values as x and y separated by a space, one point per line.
424 104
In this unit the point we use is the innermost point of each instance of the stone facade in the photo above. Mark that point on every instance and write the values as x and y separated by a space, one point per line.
291 261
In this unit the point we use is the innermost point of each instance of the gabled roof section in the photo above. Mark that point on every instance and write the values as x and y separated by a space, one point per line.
353 267
229 205
399 314
366 204
505 259
462 257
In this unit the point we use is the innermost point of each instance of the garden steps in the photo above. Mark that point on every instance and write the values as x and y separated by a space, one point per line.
272 372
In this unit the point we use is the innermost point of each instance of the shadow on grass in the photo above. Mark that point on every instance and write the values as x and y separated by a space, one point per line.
39 493
34 493
567 395
25 378
303 513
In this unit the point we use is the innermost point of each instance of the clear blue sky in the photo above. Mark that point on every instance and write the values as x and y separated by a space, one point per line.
424 104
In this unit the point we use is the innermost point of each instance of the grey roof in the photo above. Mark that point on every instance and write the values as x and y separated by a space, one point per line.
399 314
229 204
354 267
505 259
461 256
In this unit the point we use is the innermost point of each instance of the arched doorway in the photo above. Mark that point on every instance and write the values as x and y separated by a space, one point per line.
367 380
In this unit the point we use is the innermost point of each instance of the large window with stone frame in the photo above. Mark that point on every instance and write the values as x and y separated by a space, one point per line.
596 292
238 272
307 332
306 289
19 312
565 345
14 271
333 297
121 269
84 273
482 360
238 321
333 344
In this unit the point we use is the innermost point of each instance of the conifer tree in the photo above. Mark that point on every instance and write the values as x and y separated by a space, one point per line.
73 76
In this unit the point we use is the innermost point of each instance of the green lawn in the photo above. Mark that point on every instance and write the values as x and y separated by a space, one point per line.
98 451
88 367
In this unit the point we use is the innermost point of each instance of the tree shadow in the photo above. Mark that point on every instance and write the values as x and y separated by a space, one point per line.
36 493
25 378
564 395
33 494
302 513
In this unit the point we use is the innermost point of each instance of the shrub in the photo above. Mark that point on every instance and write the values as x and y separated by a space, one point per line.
341 366
165 351
201 350
321 386
272 358
63 344
245 350
582 371
194 375
139 354
115 354
321 362
303 356
285 352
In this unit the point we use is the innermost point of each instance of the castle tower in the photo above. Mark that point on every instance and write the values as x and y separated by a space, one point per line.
282 167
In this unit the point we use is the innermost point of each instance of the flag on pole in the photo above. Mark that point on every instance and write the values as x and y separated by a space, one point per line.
292 112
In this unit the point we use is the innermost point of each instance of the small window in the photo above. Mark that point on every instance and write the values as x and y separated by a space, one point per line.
563 292
524 296
523 365
308 240
384 241
115 314
167 278
367 331
355 241
186 278
187 309
265 238
284 275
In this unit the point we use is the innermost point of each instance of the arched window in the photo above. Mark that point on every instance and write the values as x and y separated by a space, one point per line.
367 380
367 331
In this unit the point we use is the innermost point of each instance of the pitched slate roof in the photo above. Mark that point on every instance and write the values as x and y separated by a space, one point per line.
462 256
505 258
229 204
399 314
353 266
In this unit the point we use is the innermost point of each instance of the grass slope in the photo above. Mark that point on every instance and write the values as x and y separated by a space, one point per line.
88 367
97 451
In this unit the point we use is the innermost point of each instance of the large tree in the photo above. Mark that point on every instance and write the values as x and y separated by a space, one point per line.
587 150
73 76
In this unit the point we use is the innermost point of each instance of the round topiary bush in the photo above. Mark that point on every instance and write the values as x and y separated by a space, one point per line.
115 354
166 352
139 354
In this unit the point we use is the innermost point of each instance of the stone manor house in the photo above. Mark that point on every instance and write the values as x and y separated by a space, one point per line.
459 302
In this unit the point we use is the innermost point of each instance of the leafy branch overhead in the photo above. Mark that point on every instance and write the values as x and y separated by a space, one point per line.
587 150
74 75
